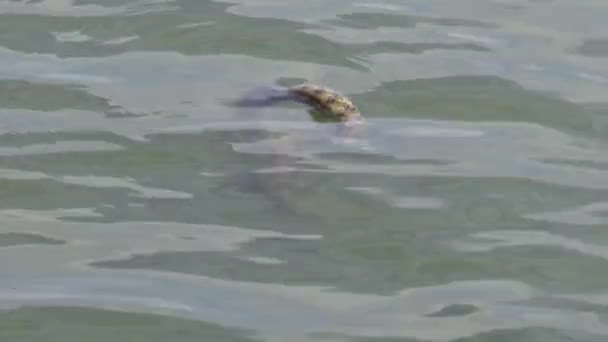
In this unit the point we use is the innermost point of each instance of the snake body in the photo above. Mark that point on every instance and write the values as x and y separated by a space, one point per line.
321 98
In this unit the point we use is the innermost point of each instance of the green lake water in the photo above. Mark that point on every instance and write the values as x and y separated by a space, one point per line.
136 204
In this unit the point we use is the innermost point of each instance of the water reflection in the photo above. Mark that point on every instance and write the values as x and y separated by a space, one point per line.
302 313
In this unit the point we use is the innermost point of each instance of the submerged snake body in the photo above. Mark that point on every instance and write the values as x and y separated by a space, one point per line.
292 191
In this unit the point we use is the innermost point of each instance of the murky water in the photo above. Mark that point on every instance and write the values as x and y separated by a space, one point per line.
136 205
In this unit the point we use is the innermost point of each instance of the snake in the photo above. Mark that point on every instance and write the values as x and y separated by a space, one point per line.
331 105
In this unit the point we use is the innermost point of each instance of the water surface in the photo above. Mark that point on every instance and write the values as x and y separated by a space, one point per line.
136 205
